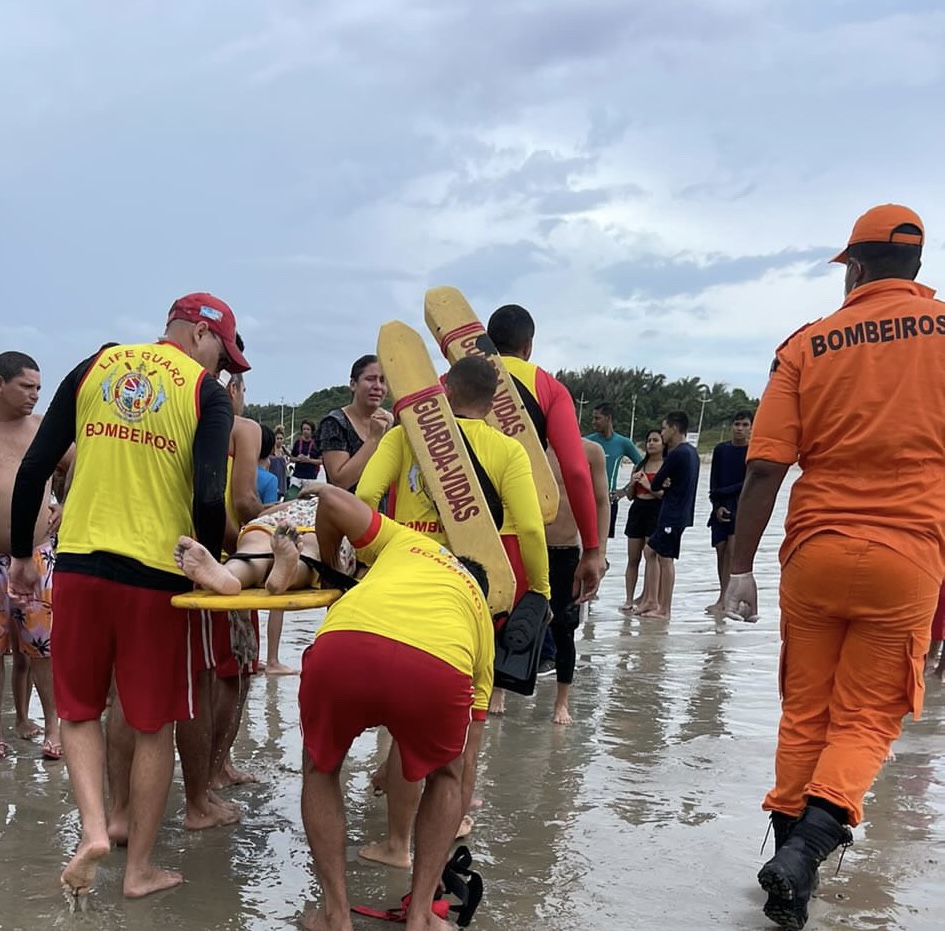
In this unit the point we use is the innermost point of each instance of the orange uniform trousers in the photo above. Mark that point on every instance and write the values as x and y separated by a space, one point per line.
854 635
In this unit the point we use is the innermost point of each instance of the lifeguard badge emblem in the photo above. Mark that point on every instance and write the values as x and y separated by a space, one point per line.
133 393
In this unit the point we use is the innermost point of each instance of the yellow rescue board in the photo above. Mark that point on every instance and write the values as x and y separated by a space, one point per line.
459 333
257 598
441 454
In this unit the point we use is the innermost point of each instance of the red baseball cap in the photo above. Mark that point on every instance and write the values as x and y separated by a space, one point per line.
205 308
880 224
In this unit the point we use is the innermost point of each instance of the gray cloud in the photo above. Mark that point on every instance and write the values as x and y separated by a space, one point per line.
662 276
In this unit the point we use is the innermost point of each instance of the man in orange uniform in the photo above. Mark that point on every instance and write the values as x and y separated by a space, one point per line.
860 570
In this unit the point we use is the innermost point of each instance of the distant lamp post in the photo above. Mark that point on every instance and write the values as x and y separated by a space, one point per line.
707 397
633 414
581 404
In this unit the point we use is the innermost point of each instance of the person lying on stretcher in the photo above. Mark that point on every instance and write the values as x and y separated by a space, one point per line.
278 549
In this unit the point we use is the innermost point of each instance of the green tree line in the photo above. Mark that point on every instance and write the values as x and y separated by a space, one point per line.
655 396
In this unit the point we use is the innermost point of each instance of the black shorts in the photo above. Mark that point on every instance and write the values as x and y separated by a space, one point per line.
665 541
721 532
641 521
562 564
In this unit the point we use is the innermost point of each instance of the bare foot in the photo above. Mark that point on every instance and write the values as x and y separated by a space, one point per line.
890 756
28 729
148 881
286 547
655 615
238 777
280 669
646 607
221 802
382 852
78 876
118 830
212 816
465 827
315 919
716 607
497 702
379 780
562 715
199 566
428 922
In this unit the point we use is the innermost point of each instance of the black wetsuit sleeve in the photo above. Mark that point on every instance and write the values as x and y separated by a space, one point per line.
211 442
55 435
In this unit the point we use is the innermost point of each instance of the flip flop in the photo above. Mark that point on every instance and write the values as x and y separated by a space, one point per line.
4 750
52 751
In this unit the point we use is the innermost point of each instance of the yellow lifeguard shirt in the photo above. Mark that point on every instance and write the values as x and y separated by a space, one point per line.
133 488
393 470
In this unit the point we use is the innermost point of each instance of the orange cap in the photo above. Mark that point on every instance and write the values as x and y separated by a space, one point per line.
879 224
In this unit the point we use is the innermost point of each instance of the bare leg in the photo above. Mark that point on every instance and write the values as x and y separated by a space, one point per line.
438 820
22 689
722 560
42 677
84 747
3 674
229 699
121 748
194 743
402 800
651 583
634 553
151 772
274 667
323 815
667 584
934 663
561 714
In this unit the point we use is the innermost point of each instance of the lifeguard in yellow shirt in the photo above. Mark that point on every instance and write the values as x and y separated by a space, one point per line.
502 464
505 473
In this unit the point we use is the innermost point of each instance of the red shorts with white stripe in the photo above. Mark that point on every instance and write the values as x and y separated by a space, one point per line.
211 644
352 681
104 628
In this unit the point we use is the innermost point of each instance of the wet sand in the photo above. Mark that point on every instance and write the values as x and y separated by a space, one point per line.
644 814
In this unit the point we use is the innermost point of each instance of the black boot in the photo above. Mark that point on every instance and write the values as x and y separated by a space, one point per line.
790 876
782 825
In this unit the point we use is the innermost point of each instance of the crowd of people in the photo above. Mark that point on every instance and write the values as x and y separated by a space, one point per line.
144 479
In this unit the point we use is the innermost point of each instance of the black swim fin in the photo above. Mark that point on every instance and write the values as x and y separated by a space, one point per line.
518 644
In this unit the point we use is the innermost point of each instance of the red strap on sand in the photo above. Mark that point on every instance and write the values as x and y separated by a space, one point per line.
465 330
408 399
441 908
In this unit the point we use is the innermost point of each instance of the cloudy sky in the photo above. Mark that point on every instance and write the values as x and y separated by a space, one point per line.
659 183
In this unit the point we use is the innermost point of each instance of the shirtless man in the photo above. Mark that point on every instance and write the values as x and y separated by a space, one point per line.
564 554
150 423
26 629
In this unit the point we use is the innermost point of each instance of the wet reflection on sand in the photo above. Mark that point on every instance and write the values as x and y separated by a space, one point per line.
644 814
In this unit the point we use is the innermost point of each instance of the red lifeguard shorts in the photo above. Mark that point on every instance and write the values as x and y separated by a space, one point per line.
104 627
352 681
